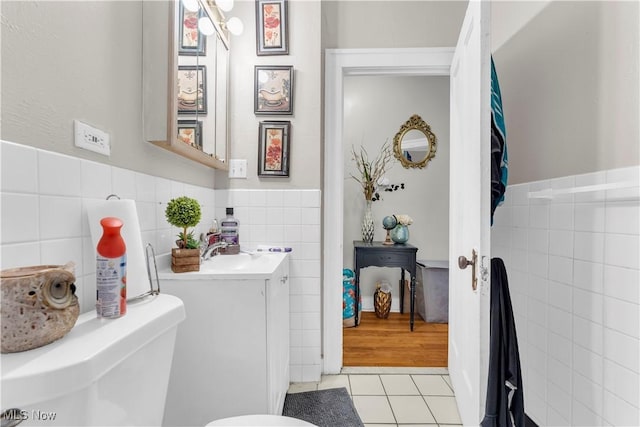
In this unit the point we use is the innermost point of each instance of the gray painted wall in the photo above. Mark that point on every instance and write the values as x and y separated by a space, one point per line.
568 75
569 80
81 60
304 55
380 24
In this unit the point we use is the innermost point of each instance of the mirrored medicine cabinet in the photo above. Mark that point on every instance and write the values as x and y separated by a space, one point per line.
186 80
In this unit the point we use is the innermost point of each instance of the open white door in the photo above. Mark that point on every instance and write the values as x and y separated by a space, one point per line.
469 222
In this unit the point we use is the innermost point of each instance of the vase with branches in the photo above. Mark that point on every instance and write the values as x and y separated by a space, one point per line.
370 172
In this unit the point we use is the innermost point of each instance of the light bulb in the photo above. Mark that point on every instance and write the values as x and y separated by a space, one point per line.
206 26
191 5
225 5
235 26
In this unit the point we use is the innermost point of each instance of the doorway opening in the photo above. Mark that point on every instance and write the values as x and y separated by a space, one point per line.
340 65
376 107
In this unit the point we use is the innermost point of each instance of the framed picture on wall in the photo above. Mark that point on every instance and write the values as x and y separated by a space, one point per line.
190 132
272 35
273 149
192 89
273 90
191 41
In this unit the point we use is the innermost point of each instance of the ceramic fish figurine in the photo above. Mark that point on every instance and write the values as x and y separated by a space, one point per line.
39 305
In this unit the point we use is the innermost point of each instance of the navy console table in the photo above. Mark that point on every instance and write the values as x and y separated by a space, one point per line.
378 255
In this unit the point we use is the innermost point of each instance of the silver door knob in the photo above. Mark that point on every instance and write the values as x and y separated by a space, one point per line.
463 262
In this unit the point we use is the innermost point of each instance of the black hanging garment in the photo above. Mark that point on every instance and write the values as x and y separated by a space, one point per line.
505 402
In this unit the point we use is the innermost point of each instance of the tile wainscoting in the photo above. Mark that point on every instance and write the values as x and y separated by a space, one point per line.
571 247
43 221
288 218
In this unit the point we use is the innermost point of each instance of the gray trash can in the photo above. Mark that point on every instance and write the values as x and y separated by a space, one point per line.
432 291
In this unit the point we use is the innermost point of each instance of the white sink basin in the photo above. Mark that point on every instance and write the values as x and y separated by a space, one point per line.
239 266
245 262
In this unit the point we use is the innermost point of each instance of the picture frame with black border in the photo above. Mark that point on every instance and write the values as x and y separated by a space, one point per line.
191 41
190 132
274 141
273 90
272 32
192 89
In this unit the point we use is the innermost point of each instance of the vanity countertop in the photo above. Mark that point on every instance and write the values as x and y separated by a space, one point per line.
260 265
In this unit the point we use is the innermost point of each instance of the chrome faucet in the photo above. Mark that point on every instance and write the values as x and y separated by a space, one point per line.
213 249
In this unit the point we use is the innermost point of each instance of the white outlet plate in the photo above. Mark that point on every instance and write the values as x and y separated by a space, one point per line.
90 138
237 168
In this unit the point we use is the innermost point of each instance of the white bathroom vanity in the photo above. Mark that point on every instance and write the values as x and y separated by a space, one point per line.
232 351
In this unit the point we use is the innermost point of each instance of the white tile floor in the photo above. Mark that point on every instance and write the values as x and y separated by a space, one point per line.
395 397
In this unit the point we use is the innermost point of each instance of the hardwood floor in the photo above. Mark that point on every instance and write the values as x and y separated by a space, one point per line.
389 342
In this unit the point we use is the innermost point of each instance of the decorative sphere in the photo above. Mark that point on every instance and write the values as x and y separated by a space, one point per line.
389 222
400 233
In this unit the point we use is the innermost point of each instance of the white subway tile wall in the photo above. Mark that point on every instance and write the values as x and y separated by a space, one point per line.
287 218
43 221
573 263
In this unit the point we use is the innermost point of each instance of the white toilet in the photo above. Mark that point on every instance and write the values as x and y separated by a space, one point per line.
104 372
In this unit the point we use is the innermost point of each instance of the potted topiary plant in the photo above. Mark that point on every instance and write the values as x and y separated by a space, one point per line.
184 212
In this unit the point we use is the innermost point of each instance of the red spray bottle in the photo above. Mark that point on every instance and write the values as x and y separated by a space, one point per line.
111 270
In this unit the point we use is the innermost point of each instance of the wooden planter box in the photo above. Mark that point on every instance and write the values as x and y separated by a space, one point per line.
183 260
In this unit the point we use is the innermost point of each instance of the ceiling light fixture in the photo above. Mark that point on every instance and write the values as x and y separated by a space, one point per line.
235 26
191 5
225 5
206 26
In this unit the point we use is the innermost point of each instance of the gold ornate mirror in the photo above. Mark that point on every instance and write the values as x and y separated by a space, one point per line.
414 144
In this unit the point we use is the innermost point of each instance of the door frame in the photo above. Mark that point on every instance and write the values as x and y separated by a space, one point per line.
340 63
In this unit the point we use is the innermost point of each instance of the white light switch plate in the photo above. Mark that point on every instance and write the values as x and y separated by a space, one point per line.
237 168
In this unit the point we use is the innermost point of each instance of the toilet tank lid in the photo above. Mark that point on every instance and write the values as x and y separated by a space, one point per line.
90 350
